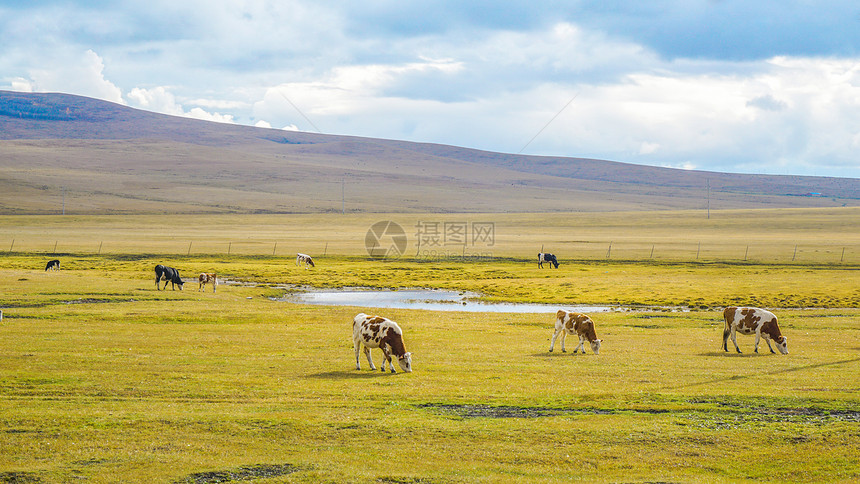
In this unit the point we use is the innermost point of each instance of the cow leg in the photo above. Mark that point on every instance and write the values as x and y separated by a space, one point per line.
735 339
554 336
580 347
726 339
767 340
369 360
357 349
386 356
757 340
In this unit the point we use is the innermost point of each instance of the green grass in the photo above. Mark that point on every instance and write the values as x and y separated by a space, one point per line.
105 379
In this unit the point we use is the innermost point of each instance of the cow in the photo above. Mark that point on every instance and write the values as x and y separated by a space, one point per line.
581 325
542 257
168 274
753 320
53 265
382 333
207 277
304 259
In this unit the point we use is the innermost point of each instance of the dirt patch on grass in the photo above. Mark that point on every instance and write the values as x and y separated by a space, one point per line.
511 411
762 411
409 480
244 473
18 477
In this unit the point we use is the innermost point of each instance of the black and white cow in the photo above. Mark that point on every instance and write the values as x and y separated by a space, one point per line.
382 333
542 257
168 274
53 264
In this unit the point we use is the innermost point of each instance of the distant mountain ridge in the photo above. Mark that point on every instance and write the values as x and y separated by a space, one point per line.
110 158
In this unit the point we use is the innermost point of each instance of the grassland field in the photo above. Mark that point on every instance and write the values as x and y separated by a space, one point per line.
105 379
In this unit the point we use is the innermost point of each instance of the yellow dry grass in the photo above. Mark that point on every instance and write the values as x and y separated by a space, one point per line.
103 378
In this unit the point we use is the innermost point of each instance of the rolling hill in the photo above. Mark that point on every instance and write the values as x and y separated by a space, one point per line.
96 157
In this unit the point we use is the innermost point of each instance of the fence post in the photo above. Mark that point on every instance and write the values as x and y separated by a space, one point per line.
795 253
57 241
100 247
189 247
229 246
746 252
13 245
652 252
325 251
841 259
698 248
275 248
609 250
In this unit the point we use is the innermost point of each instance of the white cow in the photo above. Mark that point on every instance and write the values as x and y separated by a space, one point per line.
382 333
207 278
753 320
304 259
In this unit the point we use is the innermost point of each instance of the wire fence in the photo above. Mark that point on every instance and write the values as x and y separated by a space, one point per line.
668 251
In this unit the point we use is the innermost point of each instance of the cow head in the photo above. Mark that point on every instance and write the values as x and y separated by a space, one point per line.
782 344
595 346
405 362
179 283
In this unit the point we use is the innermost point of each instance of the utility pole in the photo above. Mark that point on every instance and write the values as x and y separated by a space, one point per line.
709 198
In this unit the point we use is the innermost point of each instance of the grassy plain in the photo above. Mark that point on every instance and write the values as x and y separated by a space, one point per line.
103 378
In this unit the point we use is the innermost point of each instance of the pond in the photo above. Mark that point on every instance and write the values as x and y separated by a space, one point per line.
429 299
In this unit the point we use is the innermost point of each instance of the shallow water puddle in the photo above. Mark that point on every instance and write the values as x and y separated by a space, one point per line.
429 299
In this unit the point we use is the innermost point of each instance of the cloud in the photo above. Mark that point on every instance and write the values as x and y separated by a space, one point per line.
767 103
84 75
738 86
161 100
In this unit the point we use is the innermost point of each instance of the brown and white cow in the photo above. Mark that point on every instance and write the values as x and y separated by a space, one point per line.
304 259
753 320
206 278
382 333
567 322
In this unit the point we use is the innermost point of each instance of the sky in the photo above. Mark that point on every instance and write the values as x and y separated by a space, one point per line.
740 86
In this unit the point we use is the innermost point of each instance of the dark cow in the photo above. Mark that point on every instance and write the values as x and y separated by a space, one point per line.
547 258
168 274
54 264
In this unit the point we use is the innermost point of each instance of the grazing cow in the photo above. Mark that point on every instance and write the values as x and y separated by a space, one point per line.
53 264
382 333
207 277
575 323
304 259
753 320
168 274
547 258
